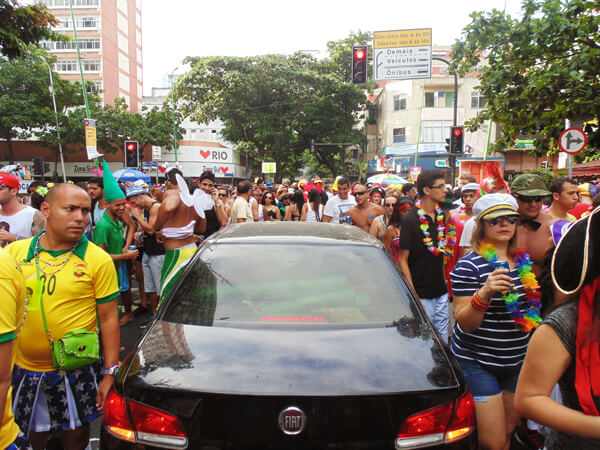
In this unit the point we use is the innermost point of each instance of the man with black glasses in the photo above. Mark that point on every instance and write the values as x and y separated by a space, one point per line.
534 231
424 243
216 216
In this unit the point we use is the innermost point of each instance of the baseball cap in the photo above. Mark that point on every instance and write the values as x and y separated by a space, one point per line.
529 184
9 180
495 205
136 190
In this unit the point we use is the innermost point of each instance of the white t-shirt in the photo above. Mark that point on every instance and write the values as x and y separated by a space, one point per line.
19 223
335 207
467 234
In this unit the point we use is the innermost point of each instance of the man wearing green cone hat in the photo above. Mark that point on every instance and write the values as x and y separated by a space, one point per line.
108 235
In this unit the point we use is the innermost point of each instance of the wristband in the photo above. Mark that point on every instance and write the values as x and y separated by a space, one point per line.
112 370
478 304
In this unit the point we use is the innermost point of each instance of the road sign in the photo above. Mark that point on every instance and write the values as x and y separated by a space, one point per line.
156 153
269 167
402 54
572 140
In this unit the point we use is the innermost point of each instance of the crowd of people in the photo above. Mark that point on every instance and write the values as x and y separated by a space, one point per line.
517 261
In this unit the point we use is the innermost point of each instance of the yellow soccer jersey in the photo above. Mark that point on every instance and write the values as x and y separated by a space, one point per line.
12 308
70 295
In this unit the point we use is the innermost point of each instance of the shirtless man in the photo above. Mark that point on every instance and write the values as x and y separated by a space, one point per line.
176 223
364 212
534 232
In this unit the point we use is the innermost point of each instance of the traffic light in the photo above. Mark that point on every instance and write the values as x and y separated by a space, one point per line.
447 146
457 135
132 154
38 165
360 55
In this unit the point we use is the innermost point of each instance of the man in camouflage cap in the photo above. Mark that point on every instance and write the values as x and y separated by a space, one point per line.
534 232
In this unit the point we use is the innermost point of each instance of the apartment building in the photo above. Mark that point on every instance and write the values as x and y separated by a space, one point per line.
110 44
416 115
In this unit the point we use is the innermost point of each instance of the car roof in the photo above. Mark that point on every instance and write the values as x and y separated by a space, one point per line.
295 232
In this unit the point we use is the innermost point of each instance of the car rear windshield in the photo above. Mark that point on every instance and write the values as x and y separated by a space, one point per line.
293 284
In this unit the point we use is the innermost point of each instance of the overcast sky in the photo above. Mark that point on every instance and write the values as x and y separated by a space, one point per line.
178 28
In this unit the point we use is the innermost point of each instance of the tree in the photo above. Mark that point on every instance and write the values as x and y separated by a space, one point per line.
273 105
25 100
23 25
539 71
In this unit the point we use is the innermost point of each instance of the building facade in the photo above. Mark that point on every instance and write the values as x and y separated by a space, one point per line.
110 45
413 116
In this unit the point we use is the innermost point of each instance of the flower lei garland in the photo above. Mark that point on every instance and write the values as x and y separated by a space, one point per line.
530 319
462 214
445 240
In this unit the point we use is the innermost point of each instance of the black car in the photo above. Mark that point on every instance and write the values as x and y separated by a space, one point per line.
290 336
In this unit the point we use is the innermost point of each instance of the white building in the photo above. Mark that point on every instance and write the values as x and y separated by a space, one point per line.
201 147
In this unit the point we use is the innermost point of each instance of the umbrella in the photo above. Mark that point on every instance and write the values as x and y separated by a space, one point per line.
386 179
125 175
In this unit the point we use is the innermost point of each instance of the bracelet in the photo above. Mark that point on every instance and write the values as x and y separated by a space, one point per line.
478 304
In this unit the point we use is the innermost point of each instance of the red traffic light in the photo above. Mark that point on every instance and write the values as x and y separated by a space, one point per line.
131 147
457 131
360 54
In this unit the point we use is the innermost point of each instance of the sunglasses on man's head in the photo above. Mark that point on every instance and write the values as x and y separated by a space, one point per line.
531 198
497 220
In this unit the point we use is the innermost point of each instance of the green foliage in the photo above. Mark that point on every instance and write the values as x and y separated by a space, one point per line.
272 106
541 69
549 175
23 25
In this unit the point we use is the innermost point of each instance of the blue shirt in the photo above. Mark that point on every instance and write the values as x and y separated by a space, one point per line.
497 342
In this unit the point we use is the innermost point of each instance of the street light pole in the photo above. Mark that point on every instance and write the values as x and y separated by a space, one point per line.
452 158
60 151
175 145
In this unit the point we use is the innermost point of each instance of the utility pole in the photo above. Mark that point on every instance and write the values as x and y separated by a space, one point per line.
452 158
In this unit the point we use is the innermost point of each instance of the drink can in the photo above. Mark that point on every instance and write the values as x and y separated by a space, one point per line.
501 265
132 247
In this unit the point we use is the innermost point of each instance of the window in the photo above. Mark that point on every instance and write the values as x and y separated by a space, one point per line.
399 102
91 65
66 65
436 130
70 65
399 135
82 22
441 99
477 99
94 87
429 99
84 44
65 3
218 289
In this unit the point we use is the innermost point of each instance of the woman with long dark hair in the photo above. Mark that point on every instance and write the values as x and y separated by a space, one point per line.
293 212
269 207
496 305
565 349
312 211
391 238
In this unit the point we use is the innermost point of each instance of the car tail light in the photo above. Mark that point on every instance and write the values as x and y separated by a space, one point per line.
442 424
147 425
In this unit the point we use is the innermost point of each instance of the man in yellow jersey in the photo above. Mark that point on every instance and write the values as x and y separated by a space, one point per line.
76 283
12 310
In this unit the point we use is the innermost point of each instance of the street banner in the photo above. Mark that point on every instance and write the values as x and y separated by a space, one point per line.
90 138
269 167
414 172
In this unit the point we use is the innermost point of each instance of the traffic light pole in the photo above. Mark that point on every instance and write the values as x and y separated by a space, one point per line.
452 158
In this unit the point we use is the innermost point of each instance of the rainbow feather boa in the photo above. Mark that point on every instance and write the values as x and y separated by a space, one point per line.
530 318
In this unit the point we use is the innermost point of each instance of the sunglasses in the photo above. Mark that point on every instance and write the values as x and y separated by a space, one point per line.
359 193
530 198
269 198
222 195
391 205
497 220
